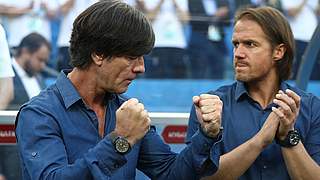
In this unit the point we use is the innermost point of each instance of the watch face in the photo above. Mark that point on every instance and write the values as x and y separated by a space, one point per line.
122 145
294 139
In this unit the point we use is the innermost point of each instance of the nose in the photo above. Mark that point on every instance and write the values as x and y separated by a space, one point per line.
139 65
239 52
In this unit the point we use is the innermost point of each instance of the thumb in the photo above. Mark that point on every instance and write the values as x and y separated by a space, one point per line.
196 100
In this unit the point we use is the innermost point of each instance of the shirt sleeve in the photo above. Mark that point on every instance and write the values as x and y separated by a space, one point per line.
312 142
200 158
44 155
193 125
5 60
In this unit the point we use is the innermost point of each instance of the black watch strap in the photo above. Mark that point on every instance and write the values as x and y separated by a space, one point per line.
120 144
292 139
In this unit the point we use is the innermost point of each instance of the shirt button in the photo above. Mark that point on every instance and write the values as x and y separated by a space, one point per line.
33 154
116 166
206 147
265 167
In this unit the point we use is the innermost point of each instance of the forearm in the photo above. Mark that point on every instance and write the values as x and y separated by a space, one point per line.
98 163
43 152
299 163
236 162
200 158
6 92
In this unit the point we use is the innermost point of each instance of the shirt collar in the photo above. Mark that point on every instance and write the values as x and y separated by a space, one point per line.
241 89
69 93
19 70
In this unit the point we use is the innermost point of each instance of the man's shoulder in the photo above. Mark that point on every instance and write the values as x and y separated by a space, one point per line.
47 102
308 101
224 90
48 98
305 96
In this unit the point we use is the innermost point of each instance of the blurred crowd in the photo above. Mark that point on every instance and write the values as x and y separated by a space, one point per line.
193 37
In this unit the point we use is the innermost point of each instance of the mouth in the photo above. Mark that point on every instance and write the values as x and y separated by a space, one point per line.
241 64
129 80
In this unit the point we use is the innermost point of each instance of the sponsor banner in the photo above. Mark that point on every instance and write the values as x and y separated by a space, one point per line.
174 134
7 134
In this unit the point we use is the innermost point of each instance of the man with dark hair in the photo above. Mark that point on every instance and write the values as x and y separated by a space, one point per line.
30 59
82 128
271 129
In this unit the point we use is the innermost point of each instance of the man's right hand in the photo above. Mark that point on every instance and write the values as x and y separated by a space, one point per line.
268 131
132 121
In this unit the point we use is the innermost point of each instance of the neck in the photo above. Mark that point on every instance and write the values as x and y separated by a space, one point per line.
264 91
87 86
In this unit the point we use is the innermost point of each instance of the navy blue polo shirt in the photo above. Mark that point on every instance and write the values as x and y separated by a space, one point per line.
242 118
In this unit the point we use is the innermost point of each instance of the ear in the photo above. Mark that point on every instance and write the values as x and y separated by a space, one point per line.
97 59
278 52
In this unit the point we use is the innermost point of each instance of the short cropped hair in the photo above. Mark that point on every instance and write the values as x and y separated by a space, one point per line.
109 28
278 31
32 42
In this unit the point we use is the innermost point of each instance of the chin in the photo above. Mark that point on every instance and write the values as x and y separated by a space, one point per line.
242 78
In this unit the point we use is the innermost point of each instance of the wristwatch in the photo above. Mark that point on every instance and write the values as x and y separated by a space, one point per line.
120 144
292 139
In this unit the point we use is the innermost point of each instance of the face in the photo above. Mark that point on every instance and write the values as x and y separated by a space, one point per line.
117 73
37 60
252 52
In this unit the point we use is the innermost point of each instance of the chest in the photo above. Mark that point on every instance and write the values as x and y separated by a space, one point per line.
243 120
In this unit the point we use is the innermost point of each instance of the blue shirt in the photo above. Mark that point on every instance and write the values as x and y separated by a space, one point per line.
58 138
242 118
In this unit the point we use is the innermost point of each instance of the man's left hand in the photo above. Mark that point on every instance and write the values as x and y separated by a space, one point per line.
209 109
288 110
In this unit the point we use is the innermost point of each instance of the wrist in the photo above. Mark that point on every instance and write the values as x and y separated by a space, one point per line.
292 138
131 140
281 135
121 144
215 135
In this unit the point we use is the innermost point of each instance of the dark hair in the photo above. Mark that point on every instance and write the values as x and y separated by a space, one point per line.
277 30
32 43
109 28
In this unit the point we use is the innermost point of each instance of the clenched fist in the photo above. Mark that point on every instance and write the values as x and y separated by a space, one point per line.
209 110
132 121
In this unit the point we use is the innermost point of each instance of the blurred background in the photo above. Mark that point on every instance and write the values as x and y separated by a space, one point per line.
192 55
